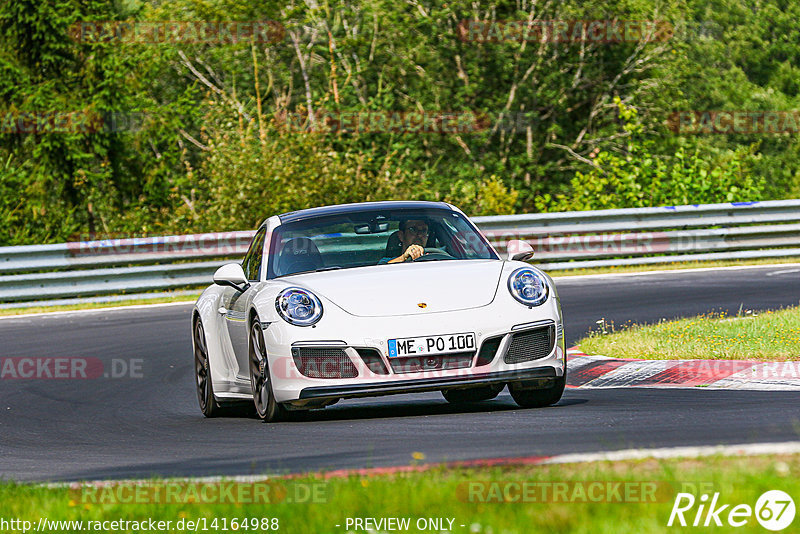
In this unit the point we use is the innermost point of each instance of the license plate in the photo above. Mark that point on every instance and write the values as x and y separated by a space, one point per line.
428 345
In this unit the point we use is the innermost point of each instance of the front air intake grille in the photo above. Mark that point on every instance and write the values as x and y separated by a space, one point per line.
372 359
488 351
323 362
417 364
531 345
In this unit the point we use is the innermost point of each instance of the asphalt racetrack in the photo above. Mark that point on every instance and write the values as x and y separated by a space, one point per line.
139 427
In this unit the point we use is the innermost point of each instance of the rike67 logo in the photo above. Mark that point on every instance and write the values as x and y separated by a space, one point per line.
774 510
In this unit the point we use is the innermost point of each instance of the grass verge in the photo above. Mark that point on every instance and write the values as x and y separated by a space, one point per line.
98 305
577 498
770 335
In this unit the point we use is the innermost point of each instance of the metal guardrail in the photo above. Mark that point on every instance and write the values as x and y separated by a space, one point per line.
642 236
568 240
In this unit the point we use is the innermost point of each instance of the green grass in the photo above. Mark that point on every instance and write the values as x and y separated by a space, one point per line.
445 493
771 335
98 305
673 266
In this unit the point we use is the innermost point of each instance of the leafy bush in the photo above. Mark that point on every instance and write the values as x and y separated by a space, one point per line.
640 178
252 172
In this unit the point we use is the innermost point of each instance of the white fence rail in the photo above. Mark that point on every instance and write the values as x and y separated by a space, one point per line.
566 240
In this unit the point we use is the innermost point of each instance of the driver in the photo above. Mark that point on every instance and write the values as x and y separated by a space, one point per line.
413 234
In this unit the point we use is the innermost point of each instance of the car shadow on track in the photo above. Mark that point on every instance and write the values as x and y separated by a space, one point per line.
417 408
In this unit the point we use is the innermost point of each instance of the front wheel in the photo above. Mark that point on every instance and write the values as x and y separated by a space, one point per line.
539 398
267 408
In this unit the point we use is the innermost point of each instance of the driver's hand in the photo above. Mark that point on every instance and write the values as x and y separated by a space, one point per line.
413 252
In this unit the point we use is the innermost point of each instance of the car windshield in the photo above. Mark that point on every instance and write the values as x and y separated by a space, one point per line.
363 238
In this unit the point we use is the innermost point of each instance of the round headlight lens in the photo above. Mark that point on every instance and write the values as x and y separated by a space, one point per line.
528 286
298 306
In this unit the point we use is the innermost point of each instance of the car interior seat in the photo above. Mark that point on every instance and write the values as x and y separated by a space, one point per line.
297 255
394 247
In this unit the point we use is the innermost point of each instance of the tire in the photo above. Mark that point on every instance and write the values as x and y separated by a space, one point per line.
477 394
539 398
202 373
267 408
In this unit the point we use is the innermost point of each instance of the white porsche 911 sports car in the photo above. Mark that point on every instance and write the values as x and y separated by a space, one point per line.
372 299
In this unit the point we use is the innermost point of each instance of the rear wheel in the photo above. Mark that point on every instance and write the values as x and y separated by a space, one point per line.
267 408
202 372
482 393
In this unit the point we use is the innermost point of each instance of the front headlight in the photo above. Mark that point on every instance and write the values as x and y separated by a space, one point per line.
528 286
298 306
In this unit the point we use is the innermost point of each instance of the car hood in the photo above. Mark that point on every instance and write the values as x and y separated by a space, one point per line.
387 290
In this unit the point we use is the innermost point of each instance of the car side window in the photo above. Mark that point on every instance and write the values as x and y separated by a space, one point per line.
251 265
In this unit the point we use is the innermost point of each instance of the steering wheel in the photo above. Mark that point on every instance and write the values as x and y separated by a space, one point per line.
431 253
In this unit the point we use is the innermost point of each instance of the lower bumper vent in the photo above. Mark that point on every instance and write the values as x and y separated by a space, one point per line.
488 351
323 362
531 345
372 359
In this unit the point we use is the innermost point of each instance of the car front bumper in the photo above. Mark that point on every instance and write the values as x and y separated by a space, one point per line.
545 373
291 385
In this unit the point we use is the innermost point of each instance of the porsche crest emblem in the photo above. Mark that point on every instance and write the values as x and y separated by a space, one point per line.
422 305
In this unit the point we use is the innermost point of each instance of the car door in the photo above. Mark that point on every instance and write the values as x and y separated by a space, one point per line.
237 304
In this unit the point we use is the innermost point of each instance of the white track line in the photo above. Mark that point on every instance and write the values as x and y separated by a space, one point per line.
238 479
96 310
562 279
747 449
787 271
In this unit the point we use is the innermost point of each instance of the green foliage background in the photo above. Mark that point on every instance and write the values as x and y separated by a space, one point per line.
194 136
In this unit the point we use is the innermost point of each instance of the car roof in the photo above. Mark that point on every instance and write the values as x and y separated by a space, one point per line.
323 211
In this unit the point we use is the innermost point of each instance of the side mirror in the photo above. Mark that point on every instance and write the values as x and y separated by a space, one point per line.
519 250
231 274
